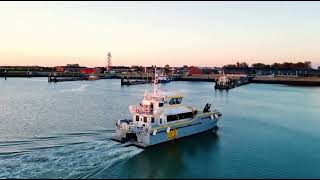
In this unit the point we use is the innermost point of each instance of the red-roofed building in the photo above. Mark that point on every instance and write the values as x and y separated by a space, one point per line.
194 70
88 71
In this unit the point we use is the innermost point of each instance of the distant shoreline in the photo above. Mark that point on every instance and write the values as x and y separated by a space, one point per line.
288 80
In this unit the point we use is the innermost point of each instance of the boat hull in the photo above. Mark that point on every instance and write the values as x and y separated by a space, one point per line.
164 81
93 78
203 123
181 132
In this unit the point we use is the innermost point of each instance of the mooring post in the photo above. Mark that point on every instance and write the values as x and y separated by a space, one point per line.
121 80
5 74
49 77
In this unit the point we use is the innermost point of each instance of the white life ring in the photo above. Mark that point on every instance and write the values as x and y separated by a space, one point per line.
168 129
154 132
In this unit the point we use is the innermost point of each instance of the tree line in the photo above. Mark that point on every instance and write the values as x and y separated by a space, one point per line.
26 68
281 66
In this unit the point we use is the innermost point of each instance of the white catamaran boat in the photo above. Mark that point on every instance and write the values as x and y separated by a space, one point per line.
161 117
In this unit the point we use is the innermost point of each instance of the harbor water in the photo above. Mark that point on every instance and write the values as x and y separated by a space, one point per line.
63 130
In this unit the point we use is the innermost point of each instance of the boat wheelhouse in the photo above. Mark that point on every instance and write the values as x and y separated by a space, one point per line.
161 117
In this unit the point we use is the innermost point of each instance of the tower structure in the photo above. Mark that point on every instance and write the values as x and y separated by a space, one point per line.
109 62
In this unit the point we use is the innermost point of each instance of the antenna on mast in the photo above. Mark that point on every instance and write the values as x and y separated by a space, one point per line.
155 82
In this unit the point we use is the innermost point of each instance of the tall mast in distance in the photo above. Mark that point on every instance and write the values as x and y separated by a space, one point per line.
109 62
155 82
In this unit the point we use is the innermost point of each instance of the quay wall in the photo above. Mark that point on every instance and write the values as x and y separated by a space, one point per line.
289 80
208 77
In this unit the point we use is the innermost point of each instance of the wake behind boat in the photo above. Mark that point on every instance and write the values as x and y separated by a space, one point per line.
161 117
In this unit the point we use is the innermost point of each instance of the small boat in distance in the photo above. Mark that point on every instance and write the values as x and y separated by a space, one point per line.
163 78
161 117
223 82
93 77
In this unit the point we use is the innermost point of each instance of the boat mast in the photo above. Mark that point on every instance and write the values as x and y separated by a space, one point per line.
155 82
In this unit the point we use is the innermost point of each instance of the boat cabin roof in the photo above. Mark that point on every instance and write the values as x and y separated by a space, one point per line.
164 95
177 109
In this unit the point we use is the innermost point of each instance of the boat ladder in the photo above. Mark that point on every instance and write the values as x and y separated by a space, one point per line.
141 132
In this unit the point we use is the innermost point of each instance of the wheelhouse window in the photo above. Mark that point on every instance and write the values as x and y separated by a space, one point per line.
160 104
145 119
185 115
172 118
181 116
152 119
137 118
175 101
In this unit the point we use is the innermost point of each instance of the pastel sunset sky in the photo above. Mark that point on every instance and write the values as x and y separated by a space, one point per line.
158 33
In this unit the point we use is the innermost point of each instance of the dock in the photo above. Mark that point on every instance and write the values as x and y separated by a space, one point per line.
135 79
133 82
5 74
287 80
233 82
60 77
244 80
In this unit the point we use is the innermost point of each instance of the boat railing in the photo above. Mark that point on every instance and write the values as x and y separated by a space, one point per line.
140 110
151 97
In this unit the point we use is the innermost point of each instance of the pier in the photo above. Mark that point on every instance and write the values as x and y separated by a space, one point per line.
205 77
5 74
197 77
56 77
61 77
226 82
135 78
287 80
244 80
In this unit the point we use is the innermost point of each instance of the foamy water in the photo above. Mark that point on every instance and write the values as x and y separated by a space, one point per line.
80 88
66 158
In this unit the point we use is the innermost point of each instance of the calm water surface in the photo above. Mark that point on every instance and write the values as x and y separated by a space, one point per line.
63 130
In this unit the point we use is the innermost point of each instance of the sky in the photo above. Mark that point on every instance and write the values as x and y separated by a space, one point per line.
158 33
